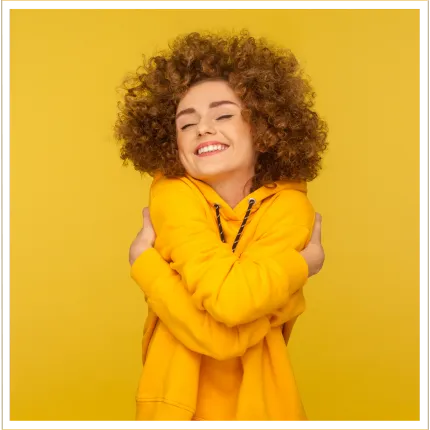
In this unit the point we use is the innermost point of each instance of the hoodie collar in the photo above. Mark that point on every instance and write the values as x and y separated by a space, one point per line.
259 195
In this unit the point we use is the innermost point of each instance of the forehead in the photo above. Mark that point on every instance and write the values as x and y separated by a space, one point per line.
202 94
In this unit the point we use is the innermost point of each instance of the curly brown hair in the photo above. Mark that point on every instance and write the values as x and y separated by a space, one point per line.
288 135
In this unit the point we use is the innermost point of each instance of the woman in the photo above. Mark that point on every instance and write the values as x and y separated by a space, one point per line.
225 127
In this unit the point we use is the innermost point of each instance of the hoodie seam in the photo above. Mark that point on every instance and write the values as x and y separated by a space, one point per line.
164 400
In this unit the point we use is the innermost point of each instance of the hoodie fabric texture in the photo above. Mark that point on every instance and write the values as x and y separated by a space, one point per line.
224 288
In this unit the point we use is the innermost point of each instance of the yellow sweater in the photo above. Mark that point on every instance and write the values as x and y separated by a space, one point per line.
214 344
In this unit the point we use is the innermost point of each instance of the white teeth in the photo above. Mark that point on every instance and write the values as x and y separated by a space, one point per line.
211 148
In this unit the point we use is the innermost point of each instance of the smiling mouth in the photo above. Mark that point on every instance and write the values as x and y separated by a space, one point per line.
211 150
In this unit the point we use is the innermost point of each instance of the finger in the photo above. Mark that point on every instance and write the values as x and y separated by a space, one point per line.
146 218
316 232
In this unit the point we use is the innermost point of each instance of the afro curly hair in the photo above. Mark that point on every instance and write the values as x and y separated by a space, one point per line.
288 135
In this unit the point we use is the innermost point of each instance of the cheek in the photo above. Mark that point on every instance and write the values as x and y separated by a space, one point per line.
241 129
244 136
181 144
185 150
247 131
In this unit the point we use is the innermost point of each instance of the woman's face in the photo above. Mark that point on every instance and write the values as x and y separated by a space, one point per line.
214 141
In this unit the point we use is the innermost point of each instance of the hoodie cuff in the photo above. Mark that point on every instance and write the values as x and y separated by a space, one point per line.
147 268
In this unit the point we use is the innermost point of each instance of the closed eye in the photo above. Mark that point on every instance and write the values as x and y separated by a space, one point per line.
186 126
220 117
224 116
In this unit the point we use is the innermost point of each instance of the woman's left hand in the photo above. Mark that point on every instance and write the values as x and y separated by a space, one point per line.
314 251
144 240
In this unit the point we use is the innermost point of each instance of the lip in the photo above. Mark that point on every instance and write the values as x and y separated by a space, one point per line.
212 142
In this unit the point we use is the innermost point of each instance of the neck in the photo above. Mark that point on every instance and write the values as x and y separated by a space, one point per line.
233 190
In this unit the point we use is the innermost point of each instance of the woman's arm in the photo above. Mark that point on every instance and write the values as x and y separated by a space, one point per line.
234 290
196 329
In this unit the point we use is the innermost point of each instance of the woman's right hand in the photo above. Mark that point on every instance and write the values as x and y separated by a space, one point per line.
314 251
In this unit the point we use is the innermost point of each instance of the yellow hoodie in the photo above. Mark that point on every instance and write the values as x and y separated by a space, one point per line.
219 320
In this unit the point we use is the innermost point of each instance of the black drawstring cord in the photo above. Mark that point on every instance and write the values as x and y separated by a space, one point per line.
218 220
239 233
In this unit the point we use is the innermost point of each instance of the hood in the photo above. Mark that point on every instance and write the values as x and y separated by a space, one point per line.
243 206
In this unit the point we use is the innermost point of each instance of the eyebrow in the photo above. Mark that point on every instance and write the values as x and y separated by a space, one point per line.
212 105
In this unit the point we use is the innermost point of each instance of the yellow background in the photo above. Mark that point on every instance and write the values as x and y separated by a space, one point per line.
77 317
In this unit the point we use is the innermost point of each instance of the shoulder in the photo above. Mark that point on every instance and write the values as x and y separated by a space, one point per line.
174 193
292 206
169 187
294 200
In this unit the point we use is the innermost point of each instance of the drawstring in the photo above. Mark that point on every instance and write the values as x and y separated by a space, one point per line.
239 233
218 220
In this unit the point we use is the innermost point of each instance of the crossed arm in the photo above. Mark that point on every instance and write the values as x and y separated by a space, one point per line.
184 308
233 289
168 297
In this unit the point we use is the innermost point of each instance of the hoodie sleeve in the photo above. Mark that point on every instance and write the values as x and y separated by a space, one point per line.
196 329
233 289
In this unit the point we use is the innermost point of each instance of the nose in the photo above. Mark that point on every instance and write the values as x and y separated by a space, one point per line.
205 127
